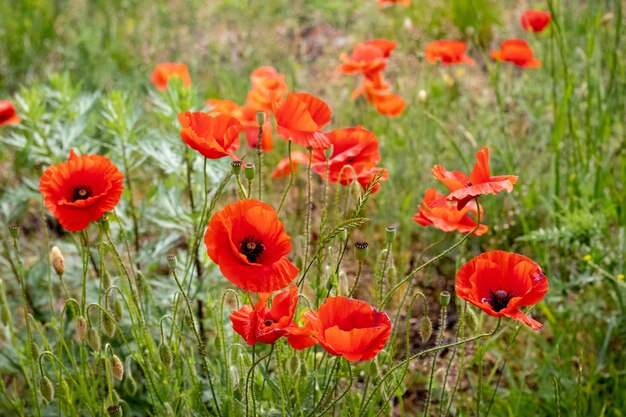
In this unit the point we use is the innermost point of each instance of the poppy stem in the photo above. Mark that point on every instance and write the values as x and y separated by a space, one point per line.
356 280
442 326
250 384
307 225
291 177
459 333
260 161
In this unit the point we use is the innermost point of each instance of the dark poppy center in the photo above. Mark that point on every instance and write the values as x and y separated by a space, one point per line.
251 248
82 192
268 322
499 299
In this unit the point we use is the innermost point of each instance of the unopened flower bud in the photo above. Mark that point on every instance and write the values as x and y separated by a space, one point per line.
93 339
14 231
115 410
109 325
106 280
117 367
34 351
260 118
57 260
130 385
171 261
165 353
249 171
236 165
426 328
118 309
360 251
46 388
81 328
444 298
390 234
422 96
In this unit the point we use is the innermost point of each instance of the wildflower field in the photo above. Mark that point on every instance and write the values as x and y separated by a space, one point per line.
312 208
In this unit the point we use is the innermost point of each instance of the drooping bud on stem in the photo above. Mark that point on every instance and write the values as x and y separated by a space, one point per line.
360 250
165 353
117 367
109 325
57 260
81 328
46 388
426 328
93 339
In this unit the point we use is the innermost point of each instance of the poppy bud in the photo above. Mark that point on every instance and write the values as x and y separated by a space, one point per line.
189 321
117 367
171 261
57 260
106 280
426 328
165 353
46 388
422 96
444 298
93 339
118 309
109 325
34 351
15 231
293 364
81 328
260 118
360 250
236 165
249 171
130 385
390 234
115 410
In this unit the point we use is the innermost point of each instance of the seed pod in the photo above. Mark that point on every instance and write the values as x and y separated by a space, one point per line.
444 298
117 367
57 260
93 339
46 388
360 250
81 328
165 353
249 171
14 231
260 118
426 328
236 165
109 325
115 410
390 234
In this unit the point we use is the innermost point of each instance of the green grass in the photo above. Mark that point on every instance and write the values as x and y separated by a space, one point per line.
560 128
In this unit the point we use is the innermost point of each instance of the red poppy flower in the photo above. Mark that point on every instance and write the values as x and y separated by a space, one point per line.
300 117
404 2
267 325
225 107
448 52
247 116
518 52
166 71
81 190
535 20
499 283
213 136
248 243
8 114
446 217
367 57
283 170
349 328
355 156
267 85
378 92
480 181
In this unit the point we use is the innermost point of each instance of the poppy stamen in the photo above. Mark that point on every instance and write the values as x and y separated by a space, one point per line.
499 299
251 248
268 322
81 192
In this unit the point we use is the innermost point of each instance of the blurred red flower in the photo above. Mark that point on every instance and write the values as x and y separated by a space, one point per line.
267 85
378 92
225 107
247 115
480 181
248 243
518 52
404 2
349 328
166 71
447 52
499 283
445 216
213 136
300 117
81 190
260 324
367 58
8 114
535 20
283 170
354 157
